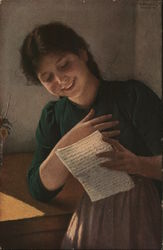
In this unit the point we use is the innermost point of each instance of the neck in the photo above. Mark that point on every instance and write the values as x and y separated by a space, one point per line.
87 97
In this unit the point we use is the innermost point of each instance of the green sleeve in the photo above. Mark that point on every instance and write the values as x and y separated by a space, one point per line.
145 110
47 135
142 108
147 116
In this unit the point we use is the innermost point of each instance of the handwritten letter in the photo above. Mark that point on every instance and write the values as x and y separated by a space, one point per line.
81 160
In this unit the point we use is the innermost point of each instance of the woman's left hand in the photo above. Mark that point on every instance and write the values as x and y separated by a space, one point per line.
120 158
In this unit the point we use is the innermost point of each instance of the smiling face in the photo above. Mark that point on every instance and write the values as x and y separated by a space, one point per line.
65 74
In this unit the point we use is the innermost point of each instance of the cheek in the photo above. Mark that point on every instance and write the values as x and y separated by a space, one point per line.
51 88
75 68
82 69
71 71
54 90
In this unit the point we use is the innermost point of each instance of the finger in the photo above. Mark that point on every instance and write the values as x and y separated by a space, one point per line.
101 119
115 165
106 125
111 154
105 154
119 166
114 143
89 116
110 134
111 142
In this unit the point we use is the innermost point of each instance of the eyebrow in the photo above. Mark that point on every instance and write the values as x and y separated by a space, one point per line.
60 58
41 75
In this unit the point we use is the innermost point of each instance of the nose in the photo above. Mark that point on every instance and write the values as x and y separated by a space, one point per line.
58 78
61 79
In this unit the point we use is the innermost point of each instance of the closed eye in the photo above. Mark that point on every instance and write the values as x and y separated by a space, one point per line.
63 65
49 78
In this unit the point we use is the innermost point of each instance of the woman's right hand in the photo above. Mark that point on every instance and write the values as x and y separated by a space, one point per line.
53 173
87 126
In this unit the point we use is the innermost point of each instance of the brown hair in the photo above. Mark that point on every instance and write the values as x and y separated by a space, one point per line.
52 38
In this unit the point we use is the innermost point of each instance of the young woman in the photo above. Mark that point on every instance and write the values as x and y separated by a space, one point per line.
128 114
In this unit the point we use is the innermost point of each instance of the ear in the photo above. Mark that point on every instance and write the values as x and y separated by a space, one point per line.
83 55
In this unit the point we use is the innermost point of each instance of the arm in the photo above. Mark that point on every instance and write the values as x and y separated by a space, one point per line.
151 167
47 135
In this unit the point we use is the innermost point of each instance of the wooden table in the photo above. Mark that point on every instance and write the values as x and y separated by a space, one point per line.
24 222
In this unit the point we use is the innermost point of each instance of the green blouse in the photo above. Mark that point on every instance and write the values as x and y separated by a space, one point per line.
138 109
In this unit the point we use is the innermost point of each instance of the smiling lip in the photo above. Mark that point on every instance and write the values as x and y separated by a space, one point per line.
69 86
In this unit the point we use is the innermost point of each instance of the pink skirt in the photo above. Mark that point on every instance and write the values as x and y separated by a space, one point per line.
128 220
